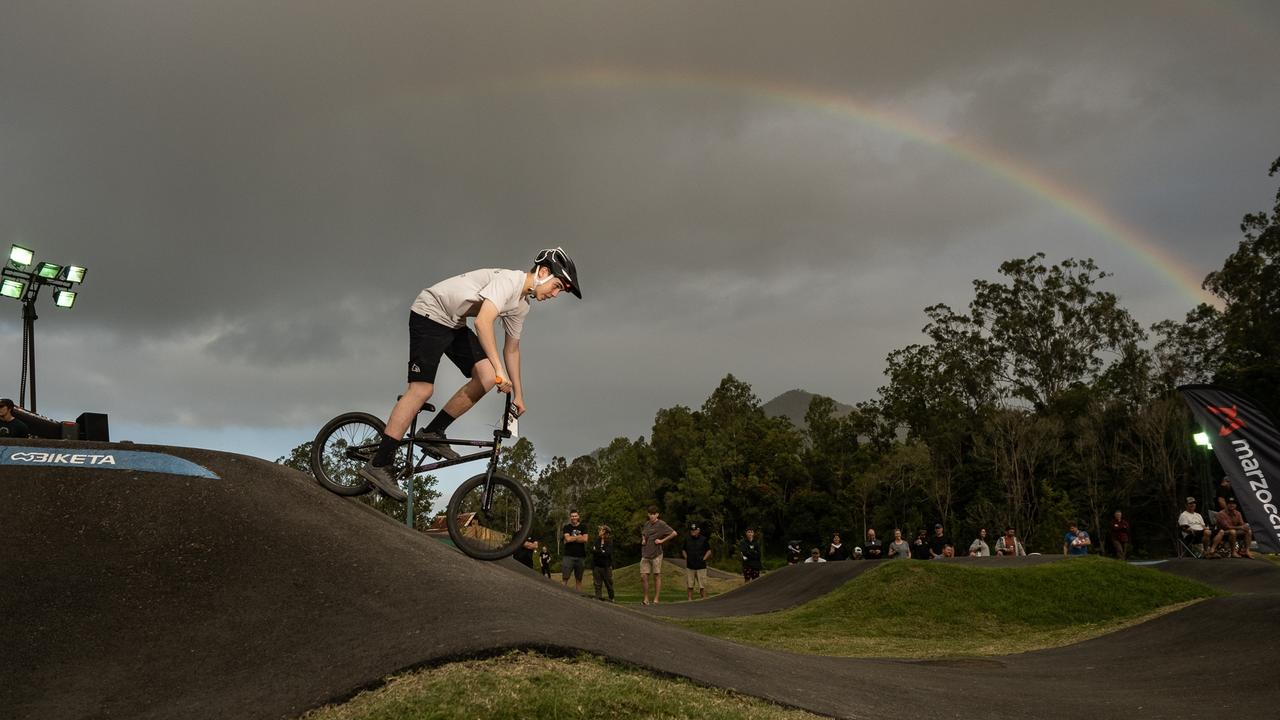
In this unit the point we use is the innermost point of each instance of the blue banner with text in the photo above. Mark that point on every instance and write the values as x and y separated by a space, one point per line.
47 457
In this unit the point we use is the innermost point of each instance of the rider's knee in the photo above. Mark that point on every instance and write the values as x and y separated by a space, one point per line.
483 373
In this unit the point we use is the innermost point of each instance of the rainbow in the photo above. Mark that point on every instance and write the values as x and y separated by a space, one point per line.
1075 203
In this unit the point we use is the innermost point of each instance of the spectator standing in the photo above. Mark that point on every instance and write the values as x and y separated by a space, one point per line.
1008 545
696 553
1232 525
794 553
815 556
1119 536
573 561
1224 493
938 541
836 550
544 557
654 533
979 546
524 553
602 561
1076 541
872 549
749 548
1191 523
10 425
920 546
899 549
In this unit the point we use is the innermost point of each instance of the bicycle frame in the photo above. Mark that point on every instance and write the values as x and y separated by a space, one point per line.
494 445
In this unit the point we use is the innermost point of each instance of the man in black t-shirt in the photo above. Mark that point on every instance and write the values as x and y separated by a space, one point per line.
696 552
10 425
574 560
938 542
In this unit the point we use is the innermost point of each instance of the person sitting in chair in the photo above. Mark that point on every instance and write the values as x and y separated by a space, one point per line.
1231 524
1191 523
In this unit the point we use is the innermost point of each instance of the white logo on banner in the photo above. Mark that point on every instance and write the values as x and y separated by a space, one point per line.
47 458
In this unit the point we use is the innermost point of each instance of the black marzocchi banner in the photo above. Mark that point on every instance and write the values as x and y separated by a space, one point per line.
1248 448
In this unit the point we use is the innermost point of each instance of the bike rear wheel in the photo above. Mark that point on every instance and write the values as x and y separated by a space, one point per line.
494 533
341 448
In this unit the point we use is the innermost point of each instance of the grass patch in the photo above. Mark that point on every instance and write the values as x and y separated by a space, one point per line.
530 685
930 610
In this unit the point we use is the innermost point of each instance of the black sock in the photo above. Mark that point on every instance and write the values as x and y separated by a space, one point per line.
386 451
440 422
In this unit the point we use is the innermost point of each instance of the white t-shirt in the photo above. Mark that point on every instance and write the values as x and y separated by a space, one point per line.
1192 520
812 559
450 302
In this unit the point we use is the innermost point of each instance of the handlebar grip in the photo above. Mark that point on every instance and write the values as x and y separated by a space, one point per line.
499 380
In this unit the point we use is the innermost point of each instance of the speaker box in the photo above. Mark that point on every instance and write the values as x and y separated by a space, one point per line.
93 426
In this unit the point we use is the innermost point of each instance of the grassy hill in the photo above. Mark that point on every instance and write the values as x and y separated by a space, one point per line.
913 609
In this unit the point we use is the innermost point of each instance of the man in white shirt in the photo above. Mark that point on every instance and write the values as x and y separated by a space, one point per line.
815 556
438 327
1192 525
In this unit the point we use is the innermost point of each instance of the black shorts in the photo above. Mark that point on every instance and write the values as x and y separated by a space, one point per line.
428 340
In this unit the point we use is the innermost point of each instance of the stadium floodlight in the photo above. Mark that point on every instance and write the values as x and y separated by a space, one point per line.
48 270
13 288
1202 439
20 258
22 279
64 298
72 274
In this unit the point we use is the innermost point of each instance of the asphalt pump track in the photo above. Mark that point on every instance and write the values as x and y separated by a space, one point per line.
260 595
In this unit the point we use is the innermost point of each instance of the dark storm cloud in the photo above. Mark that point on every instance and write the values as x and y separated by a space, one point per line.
259 189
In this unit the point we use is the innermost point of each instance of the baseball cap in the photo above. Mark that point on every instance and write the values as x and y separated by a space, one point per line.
1191 499
694 526
937 525
6 402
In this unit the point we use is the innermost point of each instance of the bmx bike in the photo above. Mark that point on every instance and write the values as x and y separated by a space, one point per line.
489 515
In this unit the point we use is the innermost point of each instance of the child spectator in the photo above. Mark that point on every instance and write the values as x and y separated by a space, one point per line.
602 561
749 548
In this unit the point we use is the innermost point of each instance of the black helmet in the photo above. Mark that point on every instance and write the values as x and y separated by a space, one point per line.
561 265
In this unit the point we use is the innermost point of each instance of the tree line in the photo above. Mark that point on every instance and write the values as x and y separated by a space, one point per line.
1041 402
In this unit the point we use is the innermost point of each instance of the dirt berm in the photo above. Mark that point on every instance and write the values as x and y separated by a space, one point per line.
260 595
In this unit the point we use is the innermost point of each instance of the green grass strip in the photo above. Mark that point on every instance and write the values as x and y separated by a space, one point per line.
922 610
522 685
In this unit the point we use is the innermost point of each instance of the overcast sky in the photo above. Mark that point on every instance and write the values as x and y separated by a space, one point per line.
777 190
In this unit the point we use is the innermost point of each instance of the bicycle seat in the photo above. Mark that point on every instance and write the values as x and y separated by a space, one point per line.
426 407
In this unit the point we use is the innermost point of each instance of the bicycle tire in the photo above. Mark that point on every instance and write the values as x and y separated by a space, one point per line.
491 538
330 464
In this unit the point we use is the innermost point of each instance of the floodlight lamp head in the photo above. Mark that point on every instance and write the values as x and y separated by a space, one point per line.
64 298
72 274
12 287
1202 439
20 258
48 270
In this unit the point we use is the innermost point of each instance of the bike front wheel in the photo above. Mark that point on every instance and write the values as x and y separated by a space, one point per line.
492 530
341 448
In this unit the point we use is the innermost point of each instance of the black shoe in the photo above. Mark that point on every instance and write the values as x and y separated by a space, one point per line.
437 444
380 478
